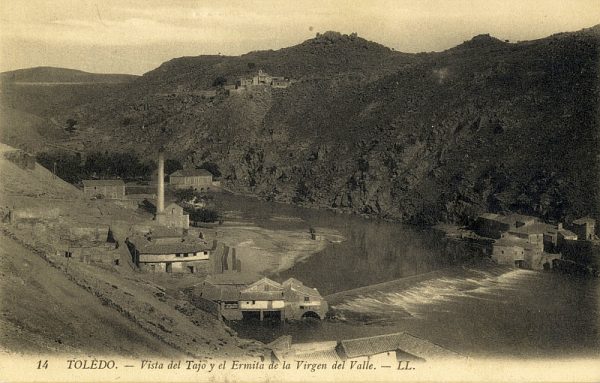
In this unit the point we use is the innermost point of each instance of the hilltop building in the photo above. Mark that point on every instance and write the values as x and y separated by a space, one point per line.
197 179
244 296
265 79
114 189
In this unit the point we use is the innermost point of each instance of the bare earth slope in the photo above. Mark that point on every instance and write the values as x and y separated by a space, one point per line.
44 312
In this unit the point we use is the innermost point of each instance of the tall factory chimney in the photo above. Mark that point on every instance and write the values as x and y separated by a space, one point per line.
160 202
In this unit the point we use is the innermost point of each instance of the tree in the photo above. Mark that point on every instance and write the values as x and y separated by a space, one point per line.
212 167
185 195
70 125
204 215
219 81
172 166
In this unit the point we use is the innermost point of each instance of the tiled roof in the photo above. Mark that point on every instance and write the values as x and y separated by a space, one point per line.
244 278
220 293
284 342
164 232
400 341
263 285
328 355
92 183
297 286
187 246
535 228
191 173
584 220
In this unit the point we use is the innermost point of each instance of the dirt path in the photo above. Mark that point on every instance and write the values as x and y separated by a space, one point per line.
43 311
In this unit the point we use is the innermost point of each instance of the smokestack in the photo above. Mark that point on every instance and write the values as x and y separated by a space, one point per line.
160 203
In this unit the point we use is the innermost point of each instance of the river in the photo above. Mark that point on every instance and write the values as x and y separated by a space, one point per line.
445 294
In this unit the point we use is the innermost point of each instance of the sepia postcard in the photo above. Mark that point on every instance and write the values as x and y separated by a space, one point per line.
299 191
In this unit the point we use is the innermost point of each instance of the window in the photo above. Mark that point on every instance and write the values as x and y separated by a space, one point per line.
306 299
185 255
177 255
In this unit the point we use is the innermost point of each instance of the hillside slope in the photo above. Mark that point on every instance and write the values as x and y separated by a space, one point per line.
61 75
487 125
44 312
76 305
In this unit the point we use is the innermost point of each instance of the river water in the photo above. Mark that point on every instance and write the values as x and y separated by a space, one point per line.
445 294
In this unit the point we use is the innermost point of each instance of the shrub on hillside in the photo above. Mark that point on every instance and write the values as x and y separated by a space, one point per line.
204 215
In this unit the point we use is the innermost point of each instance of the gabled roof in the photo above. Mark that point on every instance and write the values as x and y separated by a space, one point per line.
187 245
584 220
164 232
399 341
244 278
92 183
264 285
297 286
220 293
173 205
191 173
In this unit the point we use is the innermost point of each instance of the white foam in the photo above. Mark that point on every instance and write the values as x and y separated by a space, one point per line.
418 298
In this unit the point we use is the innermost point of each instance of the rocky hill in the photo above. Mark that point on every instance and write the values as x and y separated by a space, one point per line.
487 125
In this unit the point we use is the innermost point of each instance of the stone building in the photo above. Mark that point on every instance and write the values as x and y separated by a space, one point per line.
168 251
244 296
585 228
173 216
492 225
114 189
197 179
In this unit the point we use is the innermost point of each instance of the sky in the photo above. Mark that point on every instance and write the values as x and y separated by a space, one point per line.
131 36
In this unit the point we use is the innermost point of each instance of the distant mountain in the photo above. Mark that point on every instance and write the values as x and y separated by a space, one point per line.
62 75
484 126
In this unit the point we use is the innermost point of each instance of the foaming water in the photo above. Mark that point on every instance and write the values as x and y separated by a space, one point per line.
415 300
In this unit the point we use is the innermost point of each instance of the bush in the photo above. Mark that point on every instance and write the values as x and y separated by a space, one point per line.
204 215
219 81
211 167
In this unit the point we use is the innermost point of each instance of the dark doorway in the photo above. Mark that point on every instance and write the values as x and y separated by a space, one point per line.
310 315
169 267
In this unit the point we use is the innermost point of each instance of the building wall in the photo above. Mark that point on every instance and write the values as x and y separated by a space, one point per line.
173 267
507 255
584 231
194 182
173 220
262 305
490 228
197 256
109 191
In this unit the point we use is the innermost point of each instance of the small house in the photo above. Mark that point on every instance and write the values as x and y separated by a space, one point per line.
302 301
114 189
164 250
197 179
263 299
173 216
389 349
585 228
245 296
